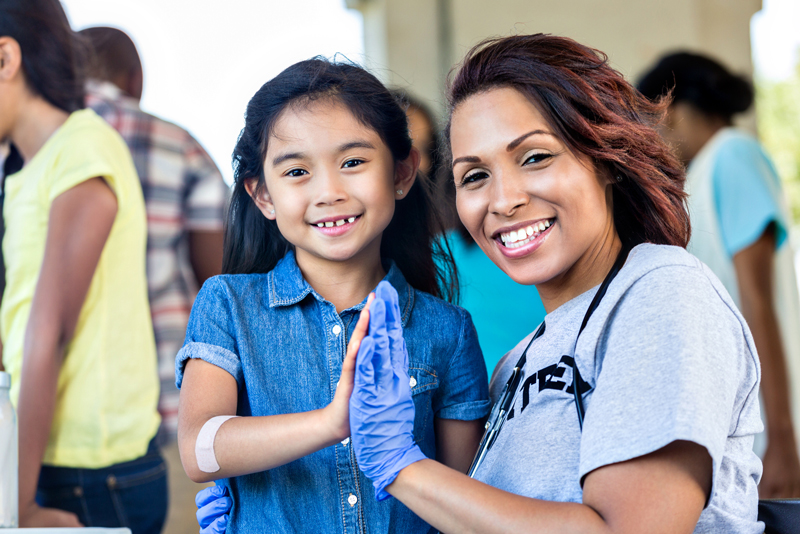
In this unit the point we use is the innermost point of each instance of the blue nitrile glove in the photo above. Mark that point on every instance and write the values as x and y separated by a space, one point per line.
213 506
381 407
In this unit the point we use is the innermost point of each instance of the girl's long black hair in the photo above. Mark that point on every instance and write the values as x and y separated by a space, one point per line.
253 243
53 56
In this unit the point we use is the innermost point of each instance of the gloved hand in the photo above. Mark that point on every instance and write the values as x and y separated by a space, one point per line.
213 507
381 407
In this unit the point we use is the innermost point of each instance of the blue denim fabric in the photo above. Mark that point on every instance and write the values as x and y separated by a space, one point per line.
131 494
284 344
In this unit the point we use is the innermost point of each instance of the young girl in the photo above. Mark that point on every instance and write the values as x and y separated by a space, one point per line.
323 209
75 322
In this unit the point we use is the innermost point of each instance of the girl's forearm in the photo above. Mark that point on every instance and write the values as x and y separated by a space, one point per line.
245 445
454 503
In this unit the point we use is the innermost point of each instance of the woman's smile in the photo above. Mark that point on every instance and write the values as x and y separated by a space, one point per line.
524 238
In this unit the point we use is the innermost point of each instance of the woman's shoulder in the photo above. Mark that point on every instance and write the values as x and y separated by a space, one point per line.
666 261
661 279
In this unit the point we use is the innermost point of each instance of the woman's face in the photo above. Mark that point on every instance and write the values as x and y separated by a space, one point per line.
541 213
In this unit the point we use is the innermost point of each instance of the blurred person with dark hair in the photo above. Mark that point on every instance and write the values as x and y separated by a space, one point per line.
184 195
75 323
423 131
740 231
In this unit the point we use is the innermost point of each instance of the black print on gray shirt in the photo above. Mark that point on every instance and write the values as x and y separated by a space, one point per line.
550 377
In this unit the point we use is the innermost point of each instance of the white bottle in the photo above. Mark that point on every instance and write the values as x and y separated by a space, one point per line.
9 462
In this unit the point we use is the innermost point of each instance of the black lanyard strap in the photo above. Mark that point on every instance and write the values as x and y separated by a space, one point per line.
601 292
500 410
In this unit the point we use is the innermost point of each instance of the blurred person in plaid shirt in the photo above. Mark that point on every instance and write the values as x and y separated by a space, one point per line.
185 198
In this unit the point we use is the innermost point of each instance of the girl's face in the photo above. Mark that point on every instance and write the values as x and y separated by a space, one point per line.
331 183
541 213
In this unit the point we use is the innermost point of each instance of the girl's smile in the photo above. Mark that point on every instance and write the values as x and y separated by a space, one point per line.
336 226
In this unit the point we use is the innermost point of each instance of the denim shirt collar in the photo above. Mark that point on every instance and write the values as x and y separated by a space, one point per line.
287 286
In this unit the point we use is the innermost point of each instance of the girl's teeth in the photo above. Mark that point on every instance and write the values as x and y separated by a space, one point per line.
529 231
340 222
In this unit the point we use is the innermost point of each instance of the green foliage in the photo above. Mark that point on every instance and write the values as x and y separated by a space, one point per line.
778 109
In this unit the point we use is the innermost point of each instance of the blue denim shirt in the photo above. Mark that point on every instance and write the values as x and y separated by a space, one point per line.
284 344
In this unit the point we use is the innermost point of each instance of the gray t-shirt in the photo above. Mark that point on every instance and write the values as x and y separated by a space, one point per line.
668 357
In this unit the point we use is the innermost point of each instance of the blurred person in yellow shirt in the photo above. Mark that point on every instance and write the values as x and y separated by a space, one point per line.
74 318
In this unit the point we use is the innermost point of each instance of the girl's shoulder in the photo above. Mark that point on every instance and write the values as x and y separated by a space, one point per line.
443 325
429 308
234 288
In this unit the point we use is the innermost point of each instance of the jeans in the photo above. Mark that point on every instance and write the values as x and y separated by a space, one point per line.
131 494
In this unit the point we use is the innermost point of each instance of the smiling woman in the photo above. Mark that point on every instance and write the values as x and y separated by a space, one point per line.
634 405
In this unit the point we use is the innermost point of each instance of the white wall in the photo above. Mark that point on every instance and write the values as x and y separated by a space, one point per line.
412 41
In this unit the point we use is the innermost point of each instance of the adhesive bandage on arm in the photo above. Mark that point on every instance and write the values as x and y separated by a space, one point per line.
204 446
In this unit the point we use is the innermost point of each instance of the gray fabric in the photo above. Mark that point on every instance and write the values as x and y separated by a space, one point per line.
668 357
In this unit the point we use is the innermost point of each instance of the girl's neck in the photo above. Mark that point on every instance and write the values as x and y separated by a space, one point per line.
342 283
37 121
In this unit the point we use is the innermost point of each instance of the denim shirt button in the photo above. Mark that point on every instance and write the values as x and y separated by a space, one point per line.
346 442
336 330
352 500
412 382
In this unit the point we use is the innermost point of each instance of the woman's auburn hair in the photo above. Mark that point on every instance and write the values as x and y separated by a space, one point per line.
595 112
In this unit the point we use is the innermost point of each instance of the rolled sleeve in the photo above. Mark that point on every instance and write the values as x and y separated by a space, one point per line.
222 358
209 334
464 394
748 195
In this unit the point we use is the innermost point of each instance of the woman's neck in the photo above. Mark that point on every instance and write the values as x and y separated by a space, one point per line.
589 271
342 283
37 121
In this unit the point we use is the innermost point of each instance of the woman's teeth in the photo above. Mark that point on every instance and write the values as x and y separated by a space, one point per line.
517 238
331 224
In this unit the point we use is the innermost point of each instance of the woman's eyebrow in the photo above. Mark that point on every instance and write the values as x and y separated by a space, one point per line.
466 159
516 142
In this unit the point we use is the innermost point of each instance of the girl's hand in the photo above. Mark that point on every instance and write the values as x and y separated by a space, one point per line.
338 411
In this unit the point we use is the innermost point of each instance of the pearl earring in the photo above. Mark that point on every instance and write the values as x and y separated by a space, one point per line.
272 212
399 191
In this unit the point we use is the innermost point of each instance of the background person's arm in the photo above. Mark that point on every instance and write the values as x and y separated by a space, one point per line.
754 274
205 254
79 225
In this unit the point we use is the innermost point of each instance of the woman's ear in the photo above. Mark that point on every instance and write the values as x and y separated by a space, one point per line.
405 173
10 58
260 197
